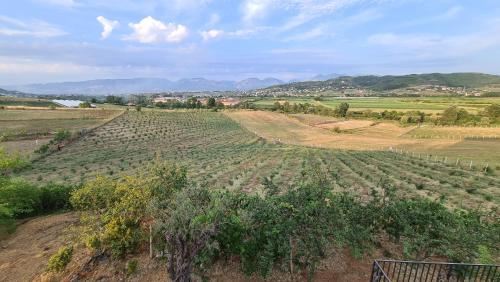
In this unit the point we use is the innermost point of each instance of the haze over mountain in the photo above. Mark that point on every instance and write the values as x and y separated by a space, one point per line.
143 85
153 85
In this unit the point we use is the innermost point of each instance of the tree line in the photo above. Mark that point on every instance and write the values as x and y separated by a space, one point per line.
452 115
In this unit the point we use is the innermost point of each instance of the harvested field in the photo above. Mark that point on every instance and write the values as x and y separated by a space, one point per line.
276 126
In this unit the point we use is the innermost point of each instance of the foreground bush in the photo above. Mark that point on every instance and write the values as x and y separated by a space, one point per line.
59 260
112 214
23 199
289 231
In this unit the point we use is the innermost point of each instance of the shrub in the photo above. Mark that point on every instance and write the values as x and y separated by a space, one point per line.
62 135
55 197
59 260
131 267
9 163
113 212
21 198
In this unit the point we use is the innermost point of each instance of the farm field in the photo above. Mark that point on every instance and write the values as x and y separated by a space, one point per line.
290 130
221 153
427 104
465 143
28 102
31 123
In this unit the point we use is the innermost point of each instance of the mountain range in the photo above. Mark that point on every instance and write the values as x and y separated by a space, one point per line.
148 85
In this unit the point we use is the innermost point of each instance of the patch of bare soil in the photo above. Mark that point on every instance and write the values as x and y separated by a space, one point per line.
339 266
24 254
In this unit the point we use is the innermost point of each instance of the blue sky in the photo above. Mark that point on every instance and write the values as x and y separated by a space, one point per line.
68 40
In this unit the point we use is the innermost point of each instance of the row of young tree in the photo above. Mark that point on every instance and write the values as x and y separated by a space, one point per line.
453 115
289 230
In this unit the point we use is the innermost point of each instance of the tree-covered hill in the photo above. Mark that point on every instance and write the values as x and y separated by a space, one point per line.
390 82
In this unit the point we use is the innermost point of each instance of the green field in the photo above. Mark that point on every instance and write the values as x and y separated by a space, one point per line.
26 102
429 104
220 153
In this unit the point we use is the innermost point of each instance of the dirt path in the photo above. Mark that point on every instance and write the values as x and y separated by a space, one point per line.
24 255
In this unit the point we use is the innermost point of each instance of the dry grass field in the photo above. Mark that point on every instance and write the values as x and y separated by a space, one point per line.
356 135
310 130
19 124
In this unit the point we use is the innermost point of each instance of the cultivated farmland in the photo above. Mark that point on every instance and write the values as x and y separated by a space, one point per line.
29 123
219 152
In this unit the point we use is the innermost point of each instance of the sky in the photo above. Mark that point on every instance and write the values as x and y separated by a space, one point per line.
71 40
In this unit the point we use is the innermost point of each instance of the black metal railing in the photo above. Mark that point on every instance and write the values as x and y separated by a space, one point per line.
395 271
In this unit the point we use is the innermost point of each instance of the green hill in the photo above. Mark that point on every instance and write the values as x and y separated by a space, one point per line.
391 82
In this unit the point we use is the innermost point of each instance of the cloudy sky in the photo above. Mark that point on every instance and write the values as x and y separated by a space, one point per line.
62 40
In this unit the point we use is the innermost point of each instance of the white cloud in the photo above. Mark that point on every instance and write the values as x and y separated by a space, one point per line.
214 19
33 28
254 9
65 3
447 15
436 45
310 34
107 25
149 30
302 11
211 34
189 4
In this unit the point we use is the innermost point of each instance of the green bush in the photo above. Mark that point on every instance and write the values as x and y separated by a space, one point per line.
131 267
21 198
112 213
55 197
62 135
59 260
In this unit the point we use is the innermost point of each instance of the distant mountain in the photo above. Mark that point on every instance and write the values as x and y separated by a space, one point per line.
4 92
143 85
323 77
255 83
391 82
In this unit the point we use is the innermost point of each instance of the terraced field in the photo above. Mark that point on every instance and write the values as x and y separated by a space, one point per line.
218 151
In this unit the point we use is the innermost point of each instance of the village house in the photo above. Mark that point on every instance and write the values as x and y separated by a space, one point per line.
229 102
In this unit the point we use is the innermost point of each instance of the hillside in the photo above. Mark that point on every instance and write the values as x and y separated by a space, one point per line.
4 92
390 82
